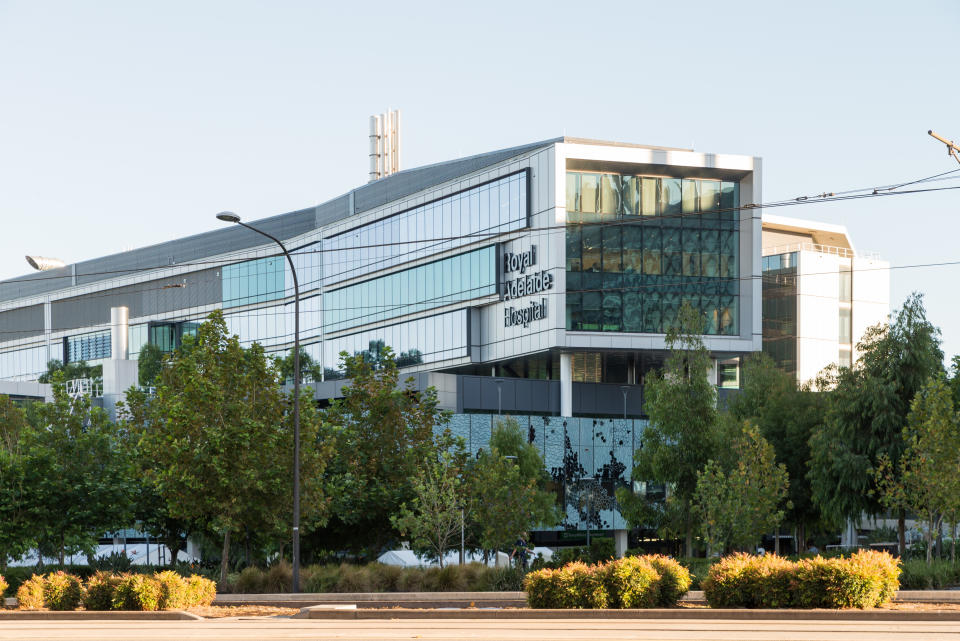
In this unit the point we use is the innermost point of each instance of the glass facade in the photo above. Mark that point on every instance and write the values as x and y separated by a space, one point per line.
28 363
254 281
87 347
780 309
450 280
453 221
638 247
425 340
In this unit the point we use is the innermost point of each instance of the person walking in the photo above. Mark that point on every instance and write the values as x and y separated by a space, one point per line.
521 550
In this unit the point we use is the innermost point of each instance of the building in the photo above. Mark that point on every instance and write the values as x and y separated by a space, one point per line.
536 281
819 295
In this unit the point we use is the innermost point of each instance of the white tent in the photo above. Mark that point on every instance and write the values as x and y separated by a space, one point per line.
407 559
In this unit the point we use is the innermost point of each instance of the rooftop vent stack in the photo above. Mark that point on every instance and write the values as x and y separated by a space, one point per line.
384 144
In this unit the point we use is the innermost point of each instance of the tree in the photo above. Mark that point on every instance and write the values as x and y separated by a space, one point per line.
929 473
738 494
434 516
786 415
149 364
508 492
309 369
70 371
79 481
16 521
219 440
384 432
867 412
683 433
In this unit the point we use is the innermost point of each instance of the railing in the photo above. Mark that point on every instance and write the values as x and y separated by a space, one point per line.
842 252
78 387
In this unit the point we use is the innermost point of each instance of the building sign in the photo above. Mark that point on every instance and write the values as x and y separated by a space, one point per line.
525 284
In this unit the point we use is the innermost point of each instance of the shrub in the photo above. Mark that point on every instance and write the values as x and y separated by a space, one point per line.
674 579
278 578
746 581
137 592
62 591
113 562
864 580
250 581
884 566
504 579
446 579
30 593
353 578
321 578
411 580
173 591
201 591
917 575
632 582
386 577
3 586
541 588
100 591
580 586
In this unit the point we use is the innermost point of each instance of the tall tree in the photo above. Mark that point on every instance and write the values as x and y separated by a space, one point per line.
787 415
387 430
508 489
434 517
149 364
683 431
17 528
928 482
79 480
738 495
219 440
867 412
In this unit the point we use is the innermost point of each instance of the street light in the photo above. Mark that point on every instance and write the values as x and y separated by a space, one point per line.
230 217
626 390
499 382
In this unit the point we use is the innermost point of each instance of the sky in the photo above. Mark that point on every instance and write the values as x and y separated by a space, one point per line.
124 124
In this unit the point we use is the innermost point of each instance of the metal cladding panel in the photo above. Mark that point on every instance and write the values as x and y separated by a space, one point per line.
34 284
332 211
144 299
404 183
21 323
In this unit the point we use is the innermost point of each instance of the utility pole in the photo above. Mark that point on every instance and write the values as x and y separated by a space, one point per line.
952 149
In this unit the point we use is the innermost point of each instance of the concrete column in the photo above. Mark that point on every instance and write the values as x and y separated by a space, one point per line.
119 335
620 542
119 373
566 384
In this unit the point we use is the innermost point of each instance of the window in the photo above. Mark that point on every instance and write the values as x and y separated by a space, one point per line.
728 374
846 284
254 281
845 326
87 347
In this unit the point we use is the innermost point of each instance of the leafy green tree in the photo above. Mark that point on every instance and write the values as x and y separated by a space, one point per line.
70 371
786 415
78 475
16 520
384 432
928 482
738 494
508 489
433 517
683 431
149 364
220 442
867 412
309 369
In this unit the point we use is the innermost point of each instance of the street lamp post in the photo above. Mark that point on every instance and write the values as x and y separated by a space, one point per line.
499 382
231 217
626 390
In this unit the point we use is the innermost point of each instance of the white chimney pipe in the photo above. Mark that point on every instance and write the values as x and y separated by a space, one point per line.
119 323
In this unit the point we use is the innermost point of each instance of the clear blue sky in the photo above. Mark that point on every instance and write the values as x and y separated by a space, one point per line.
126 123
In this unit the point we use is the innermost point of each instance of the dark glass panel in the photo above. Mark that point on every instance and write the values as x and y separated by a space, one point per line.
632 312
592 258
612 311
632 249
611 249
573 188
592 314
629 196
573 248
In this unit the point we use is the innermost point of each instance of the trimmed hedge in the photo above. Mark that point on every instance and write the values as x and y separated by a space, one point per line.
104 591
62 591
865 579
30 593
630 582
3 586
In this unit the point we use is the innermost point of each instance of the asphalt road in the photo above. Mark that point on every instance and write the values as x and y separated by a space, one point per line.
509 630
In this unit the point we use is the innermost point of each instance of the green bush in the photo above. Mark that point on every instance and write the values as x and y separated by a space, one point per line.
137 592
321 578
250 581
62 591
917 575
674 579
509 579
201 591
101 588
580 586
445 579
353 578
173 591
278 578
746 581
30 593
632 582
864 579
3 586
541 588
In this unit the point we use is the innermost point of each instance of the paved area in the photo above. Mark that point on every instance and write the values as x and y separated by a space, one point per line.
600 630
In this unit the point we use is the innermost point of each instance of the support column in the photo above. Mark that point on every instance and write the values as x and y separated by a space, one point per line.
119 373
566 384
620 542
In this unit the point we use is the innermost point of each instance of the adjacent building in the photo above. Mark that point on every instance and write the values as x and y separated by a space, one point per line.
536 281
819 295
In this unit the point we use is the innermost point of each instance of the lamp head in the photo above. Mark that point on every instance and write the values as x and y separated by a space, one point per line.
228 217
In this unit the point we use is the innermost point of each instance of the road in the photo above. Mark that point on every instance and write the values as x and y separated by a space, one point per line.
509 630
